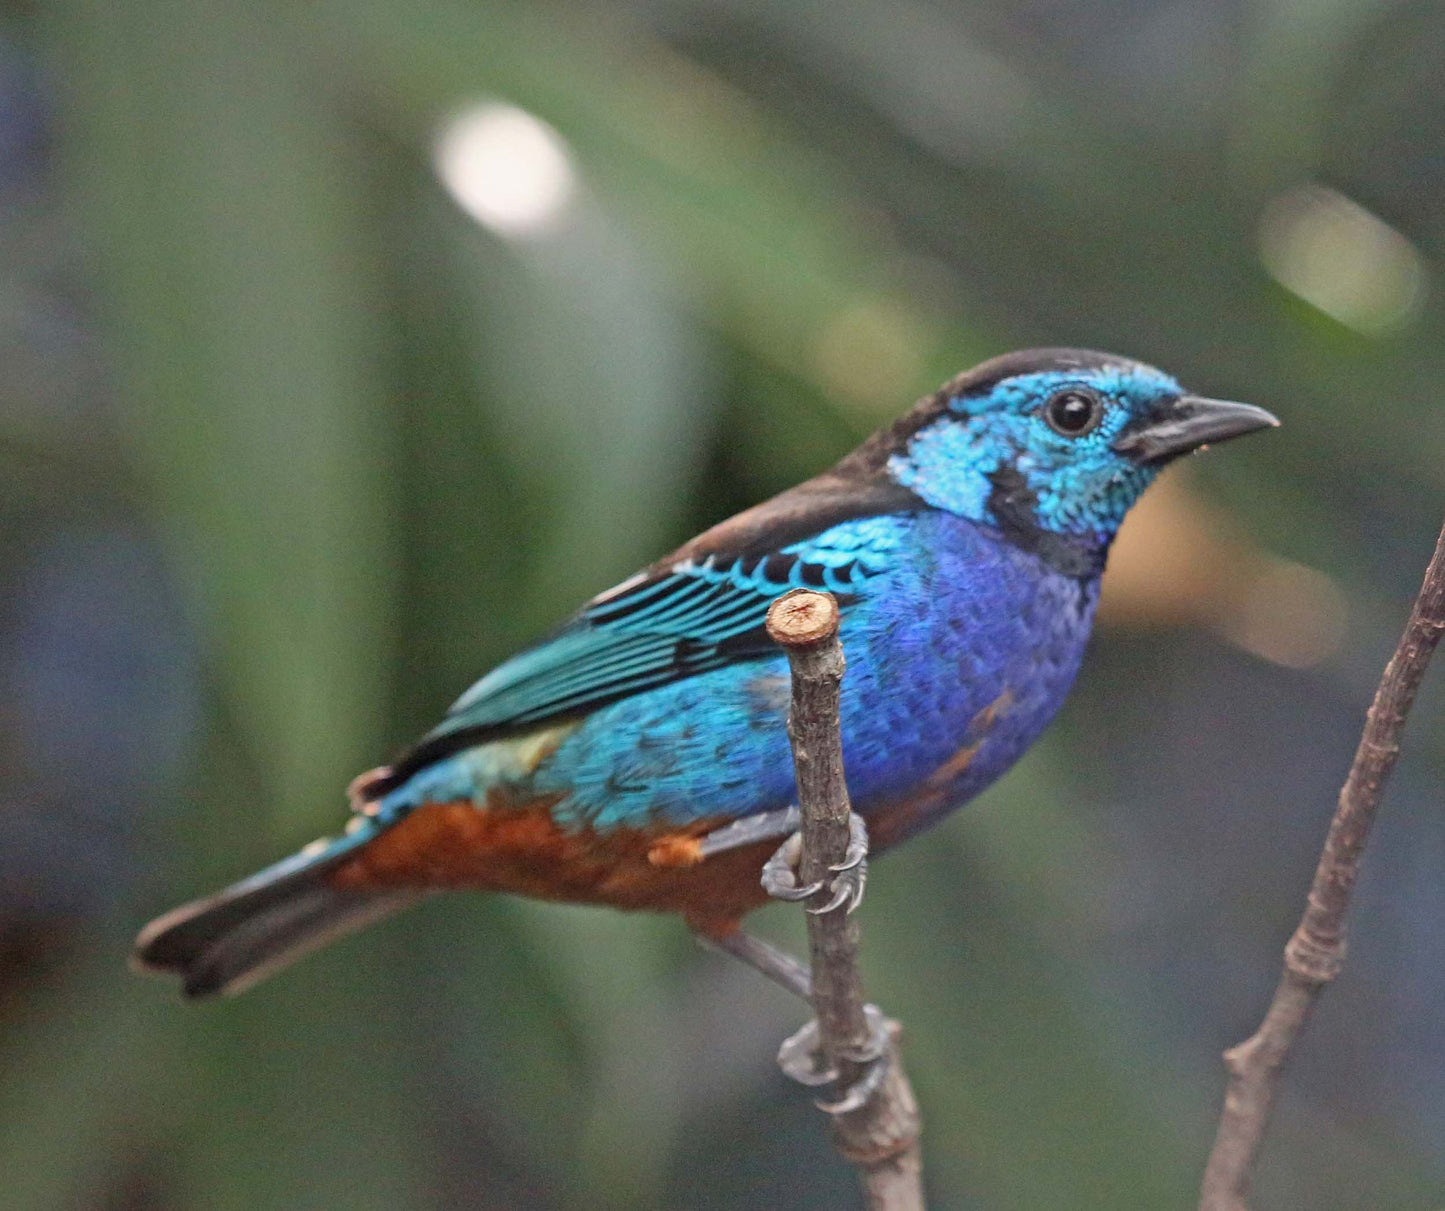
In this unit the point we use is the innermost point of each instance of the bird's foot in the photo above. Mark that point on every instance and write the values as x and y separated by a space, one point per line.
801 1058
780 872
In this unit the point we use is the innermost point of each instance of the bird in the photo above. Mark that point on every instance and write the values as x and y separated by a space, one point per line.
638 756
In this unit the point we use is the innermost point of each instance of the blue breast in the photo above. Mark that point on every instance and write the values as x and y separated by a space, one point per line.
958 655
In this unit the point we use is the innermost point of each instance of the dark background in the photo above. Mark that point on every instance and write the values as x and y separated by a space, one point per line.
348 345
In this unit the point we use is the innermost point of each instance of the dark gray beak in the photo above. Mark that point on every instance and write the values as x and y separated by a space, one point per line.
1186 424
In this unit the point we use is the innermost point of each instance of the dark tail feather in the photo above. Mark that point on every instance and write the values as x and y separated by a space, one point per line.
227 942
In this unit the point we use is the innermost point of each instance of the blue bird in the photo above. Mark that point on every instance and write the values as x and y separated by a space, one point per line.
638 757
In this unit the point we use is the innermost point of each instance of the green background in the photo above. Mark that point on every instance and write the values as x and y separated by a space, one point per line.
293 449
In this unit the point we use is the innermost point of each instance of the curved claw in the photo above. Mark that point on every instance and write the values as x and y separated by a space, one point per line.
794 894
844 890
780 878
860 1091
801 1058
780 872
852 872
857 852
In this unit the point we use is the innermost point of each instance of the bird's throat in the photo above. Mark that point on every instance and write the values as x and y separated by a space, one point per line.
1014 509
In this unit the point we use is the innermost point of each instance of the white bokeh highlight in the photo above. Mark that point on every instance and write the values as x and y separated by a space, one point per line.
505 168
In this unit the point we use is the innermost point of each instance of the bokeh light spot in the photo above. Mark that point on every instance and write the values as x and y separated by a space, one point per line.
506 168
1340 258
1291 615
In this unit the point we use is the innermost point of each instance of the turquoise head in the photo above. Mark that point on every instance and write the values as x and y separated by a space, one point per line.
1055 443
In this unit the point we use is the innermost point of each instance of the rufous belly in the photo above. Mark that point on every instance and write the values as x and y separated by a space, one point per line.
520 848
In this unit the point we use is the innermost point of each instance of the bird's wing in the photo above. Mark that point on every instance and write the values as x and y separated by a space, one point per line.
701 608
657 627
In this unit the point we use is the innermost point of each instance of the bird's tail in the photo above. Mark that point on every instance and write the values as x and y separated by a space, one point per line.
228 941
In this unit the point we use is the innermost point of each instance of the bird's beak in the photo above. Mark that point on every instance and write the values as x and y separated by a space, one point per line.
1186 424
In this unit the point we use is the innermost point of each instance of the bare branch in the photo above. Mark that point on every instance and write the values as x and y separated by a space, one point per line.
881 1137
1316 952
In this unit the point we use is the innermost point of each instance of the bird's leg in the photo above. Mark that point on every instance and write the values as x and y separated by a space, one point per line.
780 872
780 877
778 965
762 826
801 1057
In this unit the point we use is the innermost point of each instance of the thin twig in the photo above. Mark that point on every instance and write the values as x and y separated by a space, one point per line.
1316 952
881 1137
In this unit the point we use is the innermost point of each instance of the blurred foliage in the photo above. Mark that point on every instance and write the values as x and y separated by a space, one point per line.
294 449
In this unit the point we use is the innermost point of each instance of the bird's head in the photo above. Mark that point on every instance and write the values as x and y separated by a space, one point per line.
1055 444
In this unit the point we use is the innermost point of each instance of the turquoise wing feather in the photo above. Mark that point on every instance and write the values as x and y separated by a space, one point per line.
647 631
699 611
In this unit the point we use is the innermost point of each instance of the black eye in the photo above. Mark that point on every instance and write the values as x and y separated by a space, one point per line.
1073 411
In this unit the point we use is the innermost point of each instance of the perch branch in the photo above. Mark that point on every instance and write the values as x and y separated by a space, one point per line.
1316 952
881 1137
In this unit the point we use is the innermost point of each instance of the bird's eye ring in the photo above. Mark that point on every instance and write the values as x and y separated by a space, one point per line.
1074 411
